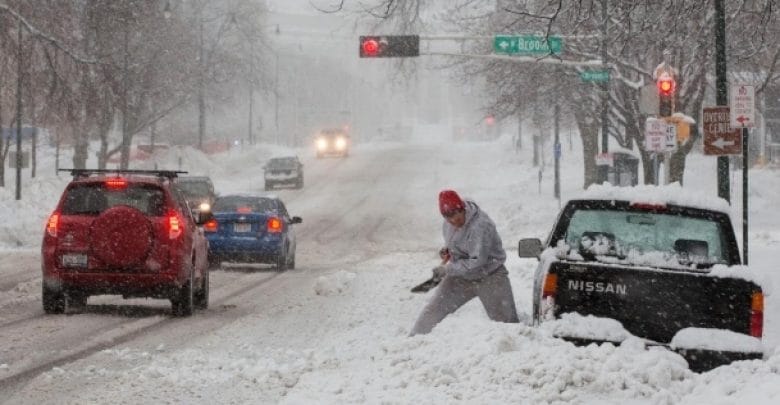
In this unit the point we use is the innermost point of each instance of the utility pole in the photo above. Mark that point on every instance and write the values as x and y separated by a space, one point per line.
19 72
605 89
557 153
721 95
124 162
276 93
201 84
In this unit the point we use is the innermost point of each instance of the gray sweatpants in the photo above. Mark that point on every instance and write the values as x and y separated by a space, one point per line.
494 291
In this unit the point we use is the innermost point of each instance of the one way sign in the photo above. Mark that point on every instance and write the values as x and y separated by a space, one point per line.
743 106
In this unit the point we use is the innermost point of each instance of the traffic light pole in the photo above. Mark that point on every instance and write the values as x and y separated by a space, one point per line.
19 72
557 155
603 169
721 95
745 196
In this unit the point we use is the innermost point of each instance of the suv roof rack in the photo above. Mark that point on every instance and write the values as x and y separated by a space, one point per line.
87 172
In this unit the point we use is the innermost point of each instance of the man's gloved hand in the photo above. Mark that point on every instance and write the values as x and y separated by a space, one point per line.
444 254
439 272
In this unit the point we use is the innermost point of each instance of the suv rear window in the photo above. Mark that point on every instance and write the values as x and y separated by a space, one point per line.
92 199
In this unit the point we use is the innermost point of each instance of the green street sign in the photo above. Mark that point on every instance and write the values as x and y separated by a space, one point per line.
595 76
526 45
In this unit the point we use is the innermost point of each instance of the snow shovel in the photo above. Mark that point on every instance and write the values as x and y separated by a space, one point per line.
427 285
432 282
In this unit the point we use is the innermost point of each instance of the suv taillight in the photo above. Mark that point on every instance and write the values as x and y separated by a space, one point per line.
53 224
175 225
274 225
757 315
211 225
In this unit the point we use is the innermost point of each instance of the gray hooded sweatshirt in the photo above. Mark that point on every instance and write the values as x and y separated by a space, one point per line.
475 248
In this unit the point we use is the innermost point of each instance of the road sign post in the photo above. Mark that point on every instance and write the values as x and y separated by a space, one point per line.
742 100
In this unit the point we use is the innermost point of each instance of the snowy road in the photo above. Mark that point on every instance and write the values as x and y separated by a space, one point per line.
351 209
334 330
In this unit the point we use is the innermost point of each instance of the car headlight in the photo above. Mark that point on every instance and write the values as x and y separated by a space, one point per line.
322 143
205 207
341 143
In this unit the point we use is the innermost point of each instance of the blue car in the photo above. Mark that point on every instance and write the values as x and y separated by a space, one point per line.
251 229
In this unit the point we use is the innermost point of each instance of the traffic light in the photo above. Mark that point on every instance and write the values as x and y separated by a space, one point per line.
666 87
388 46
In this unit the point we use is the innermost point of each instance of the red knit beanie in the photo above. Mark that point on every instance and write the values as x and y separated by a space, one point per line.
449 202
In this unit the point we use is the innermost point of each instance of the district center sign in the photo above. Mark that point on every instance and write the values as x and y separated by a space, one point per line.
719 137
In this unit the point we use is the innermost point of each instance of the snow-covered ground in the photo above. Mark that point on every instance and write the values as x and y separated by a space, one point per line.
335 329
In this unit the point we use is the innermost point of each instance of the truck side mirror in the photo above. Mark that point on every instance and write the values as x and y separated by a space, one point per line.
529 247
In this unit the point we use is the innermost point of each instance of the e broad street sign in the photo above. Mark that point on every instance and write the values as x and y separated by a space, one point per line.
527 45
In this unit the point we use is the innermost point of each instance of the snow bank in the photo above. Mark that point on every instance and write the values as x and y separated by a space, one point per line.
334 284
715 339
673 194
587 327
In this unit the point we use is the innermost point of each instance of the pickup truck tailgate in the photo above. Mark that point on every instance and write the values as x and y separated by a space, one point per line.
653 303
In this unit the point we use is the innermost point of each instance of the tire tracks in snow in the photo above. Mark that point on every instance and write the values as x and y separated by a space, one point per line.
122 332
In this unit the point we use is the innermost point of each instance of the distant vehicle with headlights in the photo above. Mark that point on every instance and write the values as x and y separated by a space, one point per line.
198 191
286 170
332 142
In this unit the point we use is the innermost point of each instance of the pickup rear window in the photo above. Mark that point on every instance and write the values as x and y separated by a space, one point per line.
92 199
646 238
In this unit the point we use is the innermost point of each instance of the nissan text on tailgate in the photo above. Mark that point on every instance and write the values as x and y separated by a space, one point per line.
661 262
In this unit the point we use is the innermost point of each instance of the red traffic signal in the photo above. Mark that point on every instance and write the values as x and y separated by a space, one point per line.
386 46
369 47
665 85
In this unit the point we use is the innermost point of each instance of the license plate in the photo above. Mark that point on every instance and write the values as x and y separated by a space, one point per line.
242 228
74 260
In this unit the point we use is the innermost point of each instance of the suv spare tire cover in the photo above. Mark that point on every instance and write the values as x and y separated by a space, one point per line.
121 236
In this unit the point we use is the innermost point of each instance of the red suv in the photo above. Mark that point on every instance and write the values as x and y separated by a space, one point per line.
124 232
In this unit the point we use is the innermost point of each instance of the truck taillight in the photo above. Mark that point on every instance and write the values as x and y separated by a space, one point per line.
550 286
274 225
174 225
757 314
53 224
